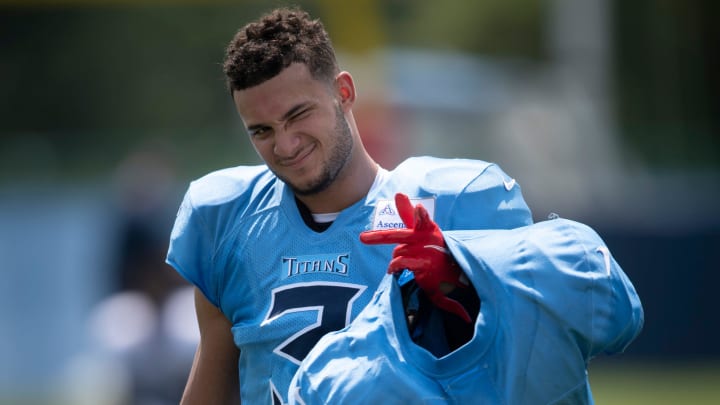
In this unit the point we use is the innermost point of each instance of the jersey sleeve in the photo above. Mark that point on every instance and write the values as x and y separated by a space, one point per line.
471 194
552 298
493 199
617 314
555 287
191 249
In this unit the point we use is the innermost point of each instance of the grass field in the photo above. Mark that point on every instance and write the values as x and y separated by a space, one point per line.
663 383
613 383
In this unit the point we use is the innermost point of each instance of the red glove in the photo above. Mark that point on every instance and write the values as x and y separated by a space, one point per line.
423 251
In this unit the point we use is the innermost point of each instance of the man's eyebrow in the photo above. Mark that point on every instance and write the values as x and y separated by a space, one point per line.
292 111
295 110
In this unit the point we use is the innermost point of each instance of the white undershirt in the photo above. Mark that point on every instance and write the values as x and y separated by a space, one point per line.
330 217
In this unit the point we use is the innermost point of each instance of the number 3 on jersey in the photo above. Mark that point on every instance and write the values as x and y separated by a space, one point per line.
332 302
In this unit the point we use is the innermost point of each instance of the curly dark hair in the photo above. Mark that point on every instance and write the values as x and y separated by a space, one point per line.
262 49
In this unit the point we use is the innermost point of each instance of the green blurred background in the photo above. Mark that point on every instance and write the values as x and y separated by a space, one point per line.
606 111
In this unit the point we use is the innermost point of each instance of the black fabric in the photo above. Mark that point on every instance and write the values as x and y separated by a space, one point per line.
309 220
434 329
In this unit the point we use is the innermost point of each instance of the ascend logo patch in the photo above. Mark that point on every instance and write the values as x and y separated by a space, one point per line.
387 217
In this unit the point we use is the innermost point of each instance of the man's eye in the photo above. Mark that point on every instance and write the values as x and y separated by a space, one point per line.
259 133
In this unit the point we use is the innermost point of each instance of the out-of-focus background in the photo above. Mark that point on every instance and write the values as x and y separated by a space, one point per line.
605 111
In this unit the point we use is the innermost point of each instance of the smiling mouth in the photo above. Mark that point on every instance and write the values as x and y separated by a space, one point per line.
299 158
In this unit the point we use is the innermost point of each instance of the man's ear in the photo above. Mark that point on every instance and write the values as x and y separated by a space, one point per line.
345 88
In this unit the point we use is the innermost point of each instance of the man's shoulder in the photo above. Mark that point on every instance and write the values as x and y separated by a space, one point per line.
431 163
469 194
443 172
230 185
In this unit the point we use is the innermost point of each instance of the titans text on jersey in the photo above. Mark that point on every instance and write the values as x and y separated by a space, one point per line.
336 263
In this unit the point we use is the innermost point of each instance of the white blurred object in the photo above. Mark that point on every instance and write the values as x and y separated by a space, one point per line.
122 321
139 353
178 316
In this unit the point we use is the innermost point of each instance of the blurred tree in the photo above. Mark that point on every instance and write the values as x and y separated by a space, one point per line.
668 80
507 28
355 26
84 82
88 83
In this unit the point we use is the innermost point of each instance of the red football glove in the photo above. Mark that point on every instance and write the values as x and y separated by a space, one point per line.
423 251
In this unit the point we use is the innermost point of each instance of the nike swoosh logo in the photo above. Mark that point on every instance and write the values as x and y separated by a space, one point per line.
606 255
509 184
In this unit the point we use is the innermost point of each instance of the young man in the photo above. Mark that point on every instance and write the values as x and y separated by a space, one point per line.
274 250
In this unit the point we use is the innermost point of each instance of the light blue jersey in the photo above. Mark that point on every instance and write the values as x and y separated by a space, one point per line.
239 237
552 298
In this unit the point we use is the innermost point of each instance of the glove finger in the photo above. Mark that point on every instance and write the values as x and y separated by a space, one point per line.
387 236
423 222
405 249
405 210
404 262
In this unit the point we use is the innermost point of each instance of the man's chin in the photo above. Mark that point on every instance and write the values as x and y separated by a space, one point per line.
309 188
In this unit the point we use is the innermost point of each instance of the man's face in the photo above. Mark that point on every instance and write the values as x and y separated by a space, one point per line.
298 128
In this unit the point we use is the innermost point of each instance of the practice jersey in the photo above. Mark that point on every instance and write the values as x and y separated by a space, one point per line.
552 298
239 237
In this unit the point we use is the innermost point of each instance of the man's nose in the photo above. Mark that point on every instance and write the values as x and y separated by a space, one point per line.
286 142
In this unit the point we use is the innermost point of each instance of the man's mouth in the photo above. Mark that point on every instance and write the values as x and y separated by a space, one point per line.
299 158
